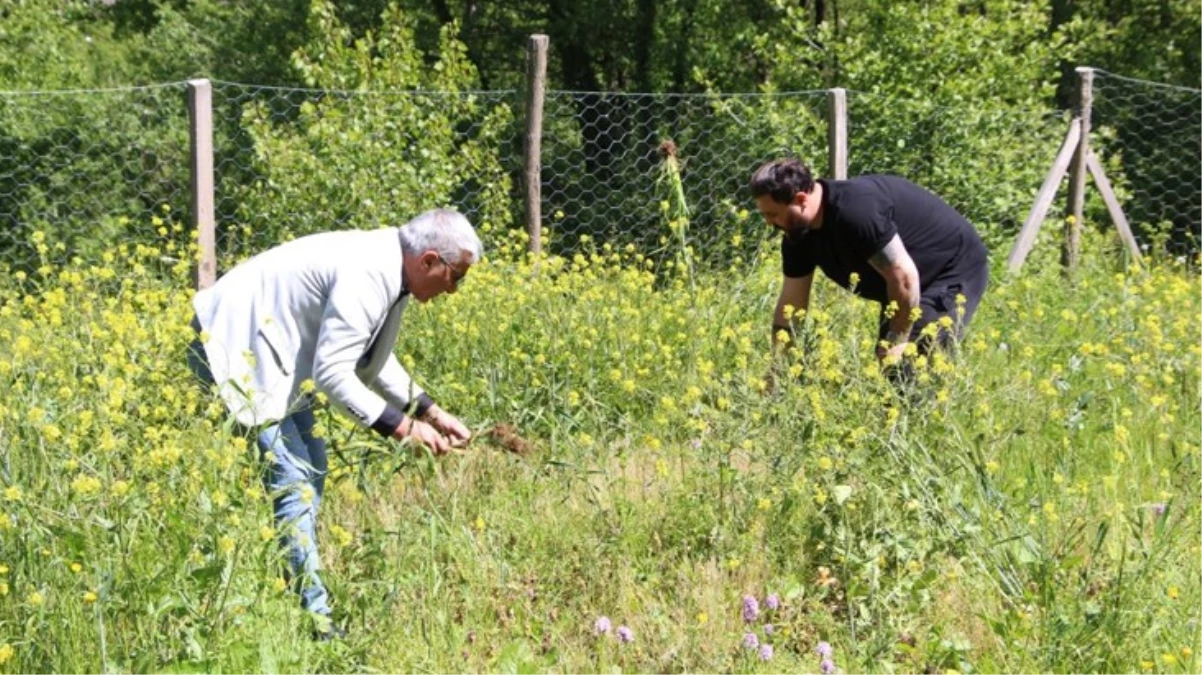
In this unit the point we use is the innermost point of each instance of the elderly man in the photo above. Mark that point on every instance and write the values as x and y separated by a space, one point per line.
322 313
881 237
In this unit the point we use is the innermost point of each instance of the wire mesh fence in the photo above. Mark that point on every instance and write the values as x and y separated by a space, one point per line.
290 162
1149 139
613 163
985 161
81 171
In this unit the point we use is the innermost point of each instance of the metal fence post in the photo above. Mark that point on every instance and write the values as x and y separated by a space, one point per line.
836 132
200 114
536 79
1070 253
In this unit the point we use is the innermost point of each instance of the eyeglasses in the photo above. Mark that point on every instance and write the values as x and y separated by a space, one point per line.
456 275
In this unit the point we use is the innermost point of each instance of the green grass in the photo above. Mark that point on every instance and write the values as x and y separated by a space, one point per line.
1009 520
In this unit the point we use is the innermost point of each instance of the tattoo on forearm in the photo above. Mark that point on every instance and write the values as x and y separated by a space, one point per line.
888 257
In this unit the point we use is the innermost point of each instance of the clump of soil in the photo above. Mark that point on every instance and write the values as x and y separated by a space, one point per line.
506 437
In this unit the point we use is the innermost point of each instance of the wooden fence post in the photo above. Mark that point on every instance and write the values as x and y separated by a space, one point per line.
200 115
536 81
836 132
1043 200
1070 253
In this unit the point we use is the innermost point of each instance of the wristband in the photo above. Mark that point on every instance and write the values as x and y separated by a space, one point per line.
422 405
388 422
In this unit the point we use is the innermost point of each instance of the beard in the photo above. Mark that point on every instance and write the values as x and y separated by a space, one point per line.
795 227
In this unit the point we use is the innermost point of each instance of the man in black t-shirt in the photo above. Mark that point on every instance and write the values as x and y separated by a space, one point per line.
881 237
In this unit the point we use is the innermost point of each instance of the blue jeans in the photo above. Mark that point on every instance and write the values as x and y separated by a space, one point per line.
295 478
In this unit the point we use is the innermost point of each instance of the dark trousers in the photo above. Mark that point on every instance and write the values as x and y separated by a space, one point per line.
939 301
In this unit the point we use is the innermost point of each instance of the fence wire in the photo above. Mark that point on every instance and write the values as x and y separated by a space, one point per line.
987 162
290 162
1148 137
82 171
624 167
90 169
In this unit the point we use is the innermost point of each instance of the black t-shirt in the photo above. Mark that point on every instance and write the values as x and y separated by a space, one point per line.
862 214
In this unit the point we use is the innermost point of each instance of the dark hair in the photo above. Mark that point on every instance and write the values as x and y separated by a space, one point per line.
782 179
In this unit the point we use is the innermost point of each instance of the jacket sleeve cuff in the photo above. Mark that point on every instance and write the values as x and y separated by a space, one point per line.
388 421
422 405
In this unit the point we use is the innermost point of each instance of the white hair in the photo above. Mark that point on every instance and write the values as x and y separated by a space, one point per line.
448 233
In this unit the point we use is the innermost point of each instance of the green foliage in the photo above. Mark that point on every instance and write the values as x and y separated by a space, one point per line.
1037 509
917 74
391 138
48 45
1115 36
76 165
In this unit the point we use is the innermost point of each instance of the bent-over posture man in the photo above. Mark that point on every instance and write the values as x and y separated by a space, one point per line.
321 314
903 247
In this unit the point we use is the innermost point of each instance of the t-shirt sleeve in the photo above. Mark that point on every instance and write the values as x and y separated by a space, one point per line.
869 226
796 259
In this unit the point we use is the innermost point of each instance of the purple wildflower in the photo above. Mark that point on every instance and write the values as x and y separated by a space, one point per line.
824 649
625 634
1158 508
751 608
750 641
772 602
766 652
769 629
827 666
602 625
695 443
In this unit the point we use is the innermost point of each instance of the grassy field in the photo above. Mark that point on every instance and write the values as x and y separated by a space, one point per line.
1037 508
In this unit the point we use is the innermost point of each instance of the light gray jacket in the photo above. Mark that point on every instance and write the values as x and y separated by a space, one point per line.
327 307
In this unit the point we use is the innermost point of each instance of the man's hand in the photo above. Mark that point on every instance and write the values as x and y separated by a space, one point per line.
891 354
422 433
449 425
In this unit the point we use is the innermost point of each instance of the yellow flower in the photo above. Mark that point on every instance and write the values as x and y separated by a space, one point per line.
35 599
1173 592
6 653
765 503
279 584
825 463
76 567
85 485
89 596
341 536
702 618
226 544
12 493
